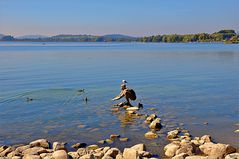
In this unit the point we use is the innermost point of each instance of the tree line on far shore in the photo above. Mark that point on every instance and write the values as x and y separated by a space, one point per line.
226 36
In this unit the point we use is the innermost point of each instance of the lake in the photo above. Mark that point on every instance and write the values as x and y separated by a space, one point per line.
185 84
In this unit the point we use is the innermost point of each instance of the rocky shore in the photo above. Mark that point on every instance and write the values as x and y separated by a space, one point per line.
181 146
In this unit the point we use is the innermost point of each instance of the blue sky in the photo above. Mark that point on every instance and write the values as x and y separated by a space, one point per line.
132 17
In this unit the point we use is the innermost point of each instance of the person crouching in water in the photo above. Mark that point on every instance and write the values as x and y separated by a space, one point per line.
129 94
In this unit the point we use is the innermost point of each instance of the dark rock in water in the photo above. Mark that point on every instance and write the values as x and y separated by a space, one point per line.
140 105
81 90
29 99
79 145
114 136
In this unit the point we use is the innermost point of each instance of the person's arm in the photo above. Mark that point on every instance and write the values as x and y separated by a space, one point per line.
119 96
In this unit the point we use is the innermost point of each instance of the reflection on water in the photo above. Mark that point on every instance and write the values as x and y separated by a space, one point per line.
185 84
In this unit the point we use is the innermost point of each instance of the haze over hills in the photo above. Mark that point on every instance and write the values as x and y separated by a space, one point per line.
221 36
32 37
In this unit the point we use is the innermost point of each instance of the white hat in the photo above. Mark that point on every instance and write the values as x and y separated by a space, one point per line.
124 81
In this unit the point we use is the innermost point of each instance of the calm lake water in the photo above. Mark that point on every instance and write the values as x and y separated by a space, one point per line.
188 84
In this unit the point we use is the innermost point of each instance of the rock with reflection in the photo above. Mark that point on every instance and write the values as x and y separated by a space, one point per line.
156 124
151 135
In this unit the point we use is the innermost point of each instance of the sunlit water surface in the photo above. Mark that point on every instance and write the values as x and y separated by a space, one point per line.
188 84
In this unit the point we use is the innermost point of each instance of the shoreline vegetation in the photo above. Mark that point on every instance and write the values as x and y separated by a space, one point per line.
225 36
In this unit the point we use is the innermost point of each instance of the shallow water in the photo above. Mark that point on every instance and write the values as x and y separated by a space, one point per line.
188 84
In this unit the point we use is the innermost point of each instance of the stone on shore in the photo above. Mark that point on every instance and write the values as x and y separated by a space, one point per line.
151 135
87 156
59 146
216 150
119 156
198 157
60 154
139 147
34 151
73 155
31 156
113 152
2 148
40 143
16 157
20 149
130 154
232 156
6 151
180 156
206 138
93 147
170 149
79 145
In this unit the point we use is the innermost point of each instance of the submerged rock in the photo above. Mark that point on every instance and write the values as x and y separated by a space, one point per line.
124 139
151 135
172 134
156 124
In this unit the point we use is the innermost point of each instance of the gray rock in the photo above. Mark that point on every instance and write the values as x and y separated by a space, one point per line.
180 156
144 154
31 157
34 151
172 134
2 148
206 138
139 147
232 156
130 154
6 151
20 149
98 155
198 157
113 152
73 155
87 156
60 154
216 150
151 135
170 149
119 156
79 145
156 124
59 146
84 151
16 157
40 143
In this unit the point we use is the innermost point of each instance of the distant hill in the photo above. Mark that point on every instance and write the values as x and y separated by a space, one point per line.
34 37
226 36
1 36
